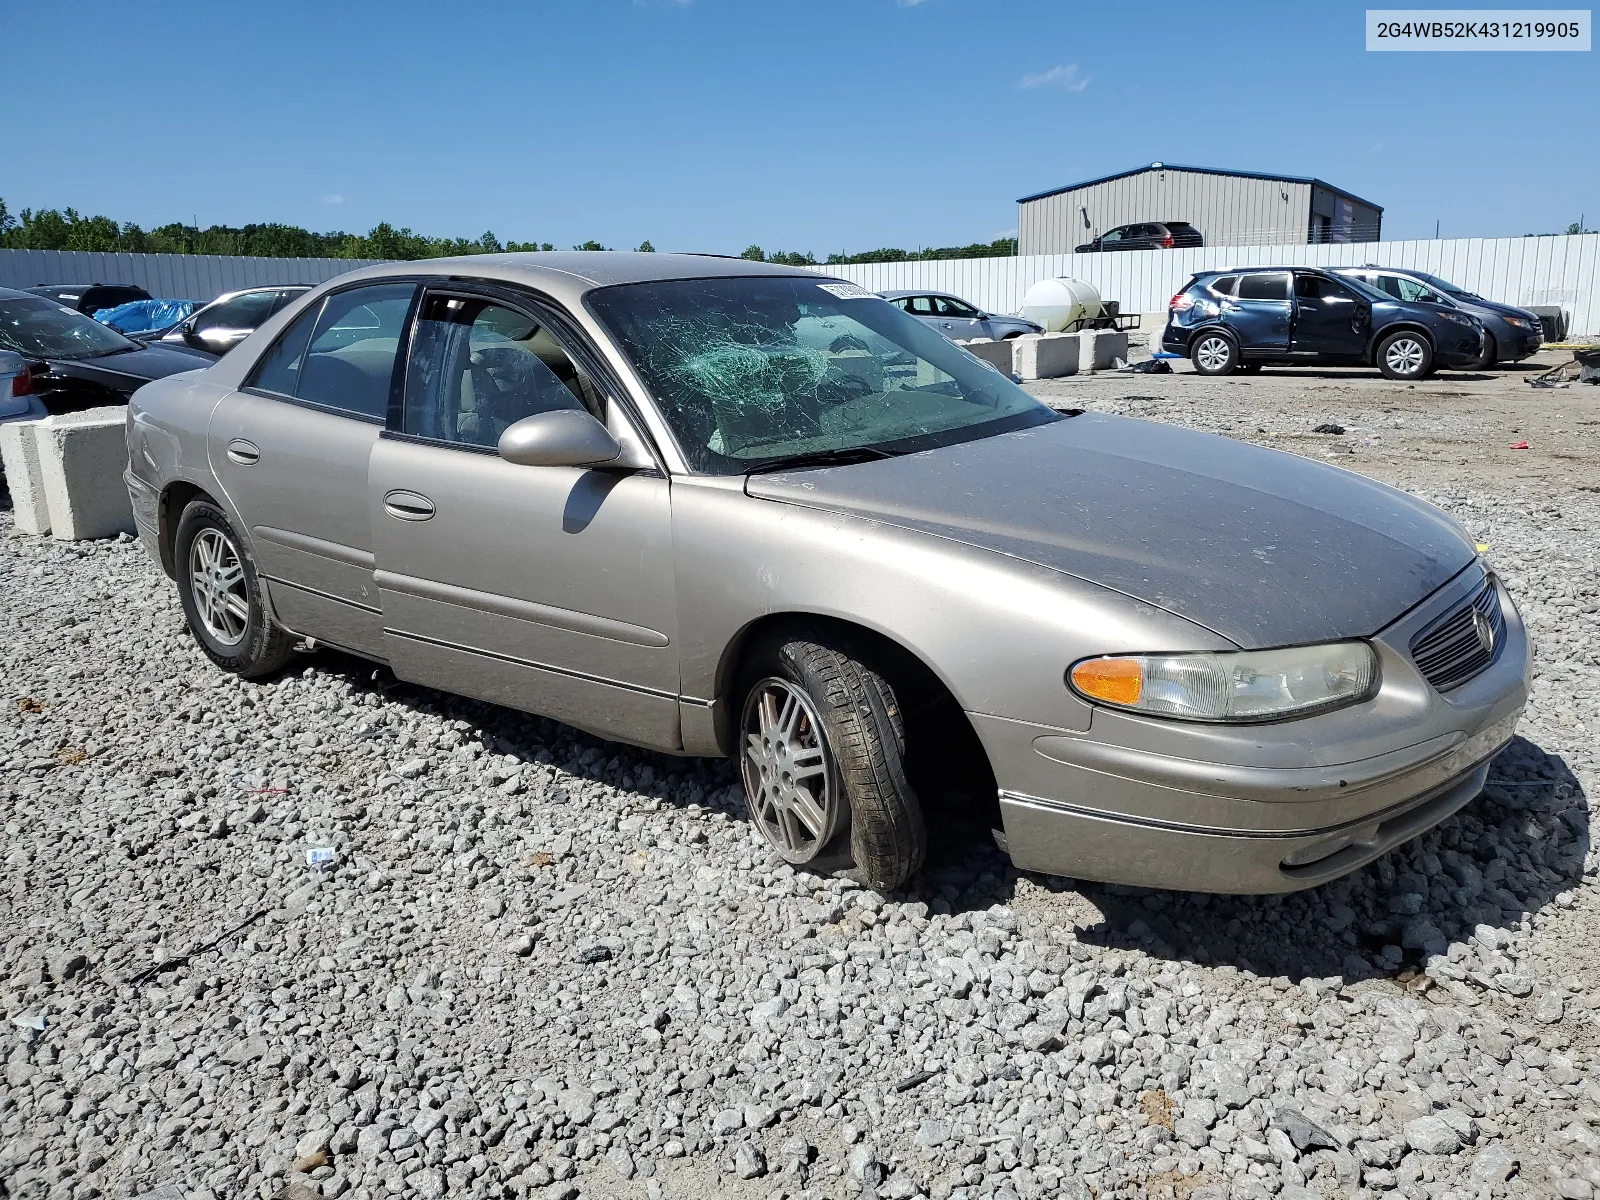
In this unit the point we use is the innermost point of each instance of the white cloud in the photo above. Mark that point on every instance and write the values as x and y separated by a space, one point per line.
334 198
1064 77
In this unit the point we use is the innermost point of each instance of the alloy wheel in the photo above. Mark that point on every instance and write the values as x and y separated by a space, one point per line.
216 581
1405 356
787 776
1213 353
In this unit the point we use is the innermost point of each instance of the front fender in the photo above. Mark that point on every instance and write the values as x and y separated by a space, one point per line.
998 632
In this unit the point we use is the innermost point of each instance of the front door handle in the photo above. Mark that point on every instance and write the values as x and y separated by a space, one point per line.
246 454
408 506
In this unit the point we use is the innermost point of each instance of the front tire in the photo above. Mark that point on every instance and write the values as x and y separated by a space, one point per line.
1214 354
1491 354
221 595
1405 355
822 750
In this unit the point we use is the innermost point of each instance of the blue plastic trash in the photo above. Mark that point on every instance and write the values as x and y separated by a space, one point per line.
141 316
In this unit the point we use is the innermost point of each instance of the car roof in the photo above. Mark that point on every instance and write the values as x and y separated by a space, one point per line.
567 275
901 293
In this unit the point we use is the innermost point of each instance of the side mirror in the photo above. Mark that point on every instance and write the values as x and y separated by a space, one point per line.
565 437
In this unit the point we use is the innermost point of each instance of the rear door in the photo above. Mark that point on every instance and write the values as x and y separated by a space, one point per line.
549 589
1259 313
291 447
1330 320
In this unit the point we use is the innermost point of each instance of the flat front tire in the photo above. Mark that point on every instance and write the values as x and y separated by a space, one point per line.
221 595
1214 354
821 752
1405 355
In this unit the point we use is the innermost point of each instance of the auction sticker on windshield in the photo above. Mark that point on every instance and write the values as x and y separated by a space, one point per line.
848 291
1478 29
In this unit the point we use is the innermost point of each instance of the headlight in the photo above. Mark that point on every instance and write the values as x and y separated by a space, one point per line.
1245 685
1517 321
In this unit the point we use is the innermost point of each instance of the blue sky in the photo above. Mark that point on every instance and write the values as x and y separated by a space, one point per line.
712 124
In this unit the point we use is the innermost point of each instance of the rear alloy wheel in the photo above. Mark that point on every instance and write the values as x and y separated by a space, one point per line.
1214 354
1405 355
822 751
221 595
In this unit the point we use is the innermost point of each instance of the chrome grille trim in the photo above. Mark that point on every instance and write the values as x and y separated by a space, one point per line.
1450 651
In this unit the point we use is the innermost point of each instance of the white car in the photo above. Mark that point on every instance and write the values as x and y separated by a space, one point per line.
17 401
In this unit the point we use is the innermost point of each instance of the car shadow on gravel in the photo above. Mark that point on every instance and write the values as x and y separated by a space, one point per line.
1510 853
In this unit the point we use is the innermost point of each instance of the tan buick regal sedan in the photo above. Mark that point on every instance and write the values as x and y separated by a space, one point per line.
713 507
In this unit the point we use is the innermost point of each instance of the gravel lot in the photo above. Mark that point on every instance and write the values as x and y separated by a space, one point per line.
548 965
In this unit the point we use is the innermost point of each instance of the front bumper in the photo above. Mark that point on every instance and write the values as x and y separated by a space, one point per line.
1295 804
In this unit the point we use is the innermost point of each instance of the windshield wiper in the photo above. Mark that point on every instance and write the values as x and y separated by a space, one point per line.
839 456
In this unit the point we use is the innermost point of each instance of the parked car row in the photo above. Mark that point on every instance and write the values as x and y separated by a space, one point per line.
1407 324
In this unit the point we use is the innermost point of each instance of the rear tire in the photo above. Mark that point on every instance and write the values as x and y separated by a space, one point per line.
1406 356
221 595
821 750
1214 354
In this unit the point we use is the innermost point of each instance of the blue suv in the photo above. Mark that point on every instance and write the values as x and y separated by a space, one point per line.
1241 319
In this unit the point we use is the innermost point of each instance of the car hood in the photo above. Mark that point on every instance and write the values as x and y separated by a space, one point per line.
1480 307
1260 546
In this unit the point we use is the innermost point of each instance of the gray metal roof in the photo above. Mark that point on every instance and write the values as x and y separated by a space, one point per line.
1166 166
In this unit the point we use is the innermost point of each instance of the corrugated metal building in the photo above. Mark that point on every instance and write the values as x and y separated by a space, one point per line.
1230 208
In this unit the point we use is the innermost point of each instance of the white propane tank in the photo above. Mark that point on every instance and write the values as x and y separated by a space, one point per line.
1058 303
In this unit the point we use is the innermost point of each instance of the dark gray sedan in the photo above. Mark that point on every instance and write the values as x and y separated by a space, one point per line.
724 508
1511 333
958 320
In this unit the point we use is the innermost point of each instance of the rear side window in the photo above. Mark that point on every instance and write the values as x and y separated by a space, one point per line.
340 355
1264 287
1226 285
279 370
351 357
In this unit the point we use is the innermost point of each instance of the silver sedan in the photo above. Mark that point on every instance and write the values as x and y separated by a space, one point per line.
718 508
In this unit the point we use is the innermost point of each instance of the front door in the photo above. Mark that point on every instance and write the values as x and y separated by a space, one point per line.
291 448
548 589
958 320
1330 320
1259 313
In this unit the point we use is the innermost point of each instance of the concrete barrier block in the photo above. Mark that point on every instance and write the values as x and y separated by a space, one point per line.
1046 355
1098 349
81 459
19 452
997 354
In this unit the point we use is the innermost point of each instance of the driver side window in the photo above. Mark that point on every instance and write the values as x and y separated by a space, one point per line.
954 308
478 367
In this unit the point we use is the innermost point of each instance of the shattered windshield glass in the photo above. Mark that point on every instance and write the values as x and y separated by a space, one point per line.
752 370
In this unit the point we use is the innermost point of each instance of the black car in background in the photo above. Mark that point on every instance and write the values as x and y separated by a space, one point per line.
90 298
75 362
1513 333
1245 317
227 320
1168 235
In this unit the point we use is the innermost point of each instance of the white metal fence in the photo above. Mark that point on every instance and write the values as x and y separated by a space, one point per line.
1562 271
201 277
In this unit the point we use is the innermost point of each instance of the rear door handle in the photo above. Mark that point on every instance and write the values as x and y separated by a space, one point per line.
408 506
246 454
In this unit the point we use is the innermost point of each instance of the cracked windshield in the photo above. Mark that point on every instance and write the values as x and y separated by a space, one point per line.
751 372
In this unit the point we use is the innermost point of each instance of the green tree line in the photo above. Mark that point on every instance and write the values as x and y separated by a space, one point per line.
999 248
68 229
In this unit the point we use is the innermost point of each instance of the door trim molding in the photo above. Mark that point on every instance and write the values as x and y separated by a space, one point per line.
513 660
348 555
300 587
521 610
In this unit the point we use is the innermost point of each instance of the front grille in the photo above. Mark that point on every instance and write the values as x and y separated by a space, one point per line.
1451 651
1538 329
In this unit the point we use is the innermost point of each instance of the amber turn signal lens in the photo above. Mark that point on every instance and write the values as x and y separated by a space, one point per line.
1114 680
